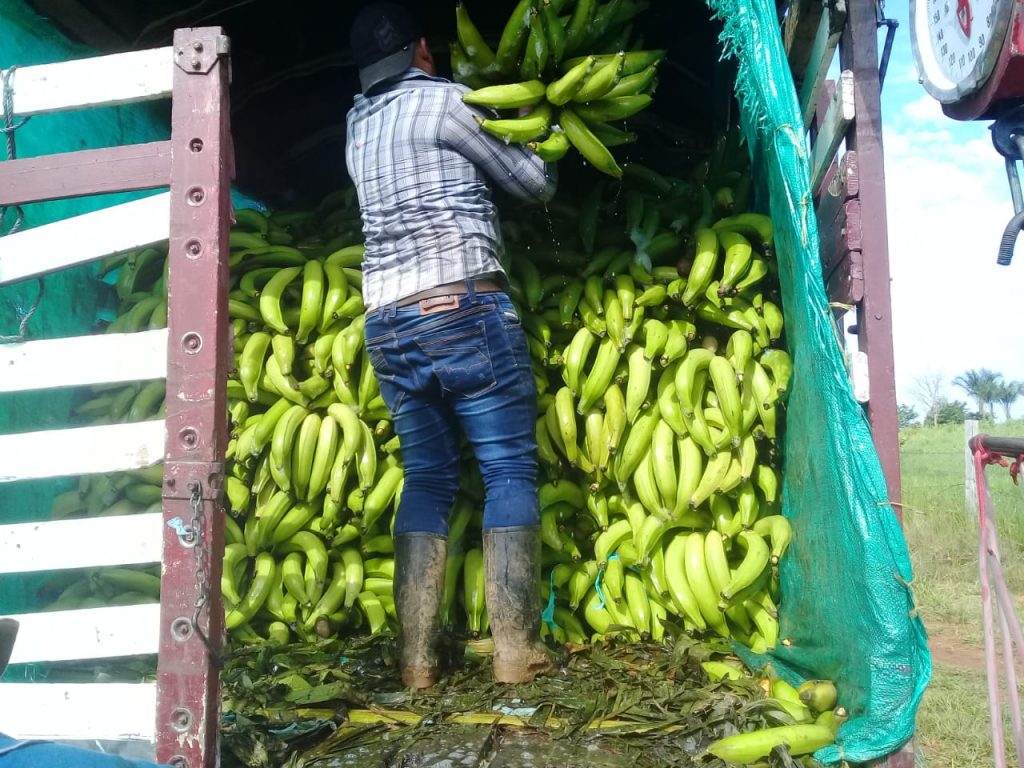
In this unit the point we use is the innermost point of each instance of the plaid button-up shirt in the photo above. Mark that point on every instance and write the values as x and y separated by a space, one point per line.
421 165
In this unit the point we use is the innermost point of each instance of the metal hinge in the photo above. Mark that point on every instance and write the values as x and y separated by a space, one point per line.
198 56
179 476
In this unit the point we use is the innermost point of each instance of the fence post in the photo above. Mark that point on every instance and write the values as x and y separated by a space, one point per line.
970 479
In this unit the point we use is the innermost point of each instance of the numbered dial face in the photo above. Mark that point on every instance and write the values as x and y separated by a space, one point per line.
957 43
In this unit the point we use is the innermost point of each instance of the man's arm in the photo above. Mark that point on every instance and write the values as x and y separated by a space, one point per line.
512 167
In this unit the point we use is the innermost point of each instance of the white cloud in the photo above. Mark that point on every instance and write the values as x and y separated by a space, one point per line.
924 109
954 308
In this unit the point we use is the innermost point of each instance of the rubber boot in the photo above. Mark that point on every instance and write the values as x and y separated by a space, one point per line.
419 580
512 565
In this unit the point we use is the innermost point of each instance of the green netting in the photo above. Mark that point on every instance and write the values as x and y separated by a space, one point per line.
848 611
71 299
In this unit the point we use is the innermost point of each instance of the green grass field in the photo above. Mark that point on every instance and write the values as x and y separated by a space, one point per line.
953 721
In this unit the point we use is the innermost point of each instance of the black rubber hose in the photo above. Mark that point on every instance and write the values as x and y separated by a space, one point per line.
1005 446
1010 239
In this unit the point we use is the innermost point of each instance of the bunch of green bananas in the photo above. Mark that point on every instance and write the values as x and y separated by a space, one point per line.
106 586
576 64
118 493
811 718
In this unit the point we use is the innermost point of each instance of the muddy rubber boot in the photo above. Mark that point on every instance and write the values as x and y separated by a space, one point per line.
419 579
512 565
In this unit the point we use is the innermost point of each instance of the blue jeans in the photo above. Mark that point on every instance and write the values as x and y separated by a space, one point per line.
467 369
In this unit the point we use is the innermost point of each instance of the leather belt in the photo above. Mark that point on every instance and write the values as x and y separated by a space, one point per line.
451 290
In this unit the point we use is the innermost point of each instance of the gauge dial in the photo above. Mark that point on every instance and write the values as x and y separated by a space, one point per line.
957 43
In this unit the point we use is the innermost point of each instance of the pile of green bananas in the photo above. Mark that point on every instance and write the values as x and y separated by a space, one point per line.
655 343
657 431
574 63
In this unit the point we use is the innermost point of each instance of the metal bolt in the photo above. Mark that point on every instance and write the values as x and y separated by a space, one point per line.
181 629
194 248
195 196
191 342
196 63
197 46
181 719
196 145
178 761
170 482
189 438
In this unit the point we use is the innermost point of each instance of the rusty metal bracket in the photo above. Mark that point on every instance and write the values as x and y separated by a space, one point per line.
179 477
198 56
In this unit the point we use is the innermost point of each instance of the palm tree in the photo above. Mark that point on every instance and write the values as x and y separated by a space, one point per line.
982 385
1007 394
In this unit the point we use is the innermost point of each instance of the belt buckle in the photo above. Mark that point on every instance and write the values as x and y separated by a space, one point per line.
438 304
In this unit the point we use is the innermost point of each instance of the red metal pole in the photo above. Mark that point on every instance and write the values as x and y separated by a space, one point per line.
859 53
191 613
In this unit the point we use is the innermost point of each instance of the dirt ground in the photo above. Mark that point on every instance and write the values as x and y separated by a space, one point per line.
949 649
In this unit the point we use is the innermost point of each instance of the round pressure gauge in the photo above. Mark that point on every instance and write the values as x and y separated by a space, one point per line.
965 53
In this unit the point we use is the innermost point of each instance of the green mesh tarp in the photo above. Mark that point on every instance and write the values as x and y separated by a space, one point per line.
847 611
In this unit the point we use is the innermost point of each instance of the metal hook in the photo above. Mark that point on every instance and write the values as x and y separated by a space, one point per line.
1008 139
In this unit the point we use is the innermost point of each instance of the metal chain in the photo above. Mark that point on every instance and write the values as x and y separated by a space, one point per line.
8 129
202 577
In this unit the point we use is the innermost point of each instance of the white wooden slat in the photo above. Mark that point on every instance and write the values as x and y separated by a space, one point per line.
82 360
101 711
55 545
87 633
81 451
837 119
93 82
85 238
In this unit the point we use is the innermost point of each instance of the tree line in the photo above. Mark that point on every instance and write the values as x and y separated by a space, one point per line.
985 388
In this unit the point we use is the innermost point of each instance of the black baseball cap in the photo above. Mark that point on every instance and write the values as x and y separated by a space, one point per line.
383 39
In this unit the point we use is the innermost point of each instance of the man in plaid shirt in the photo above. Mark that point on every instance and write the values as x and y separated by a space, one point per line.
444 338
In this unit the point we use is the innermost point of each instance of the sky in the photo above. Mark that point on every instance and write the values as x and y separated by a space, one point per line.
948 201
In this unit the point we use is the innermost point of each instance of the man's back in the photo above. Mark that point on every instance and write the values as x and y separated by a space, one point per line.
421 164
